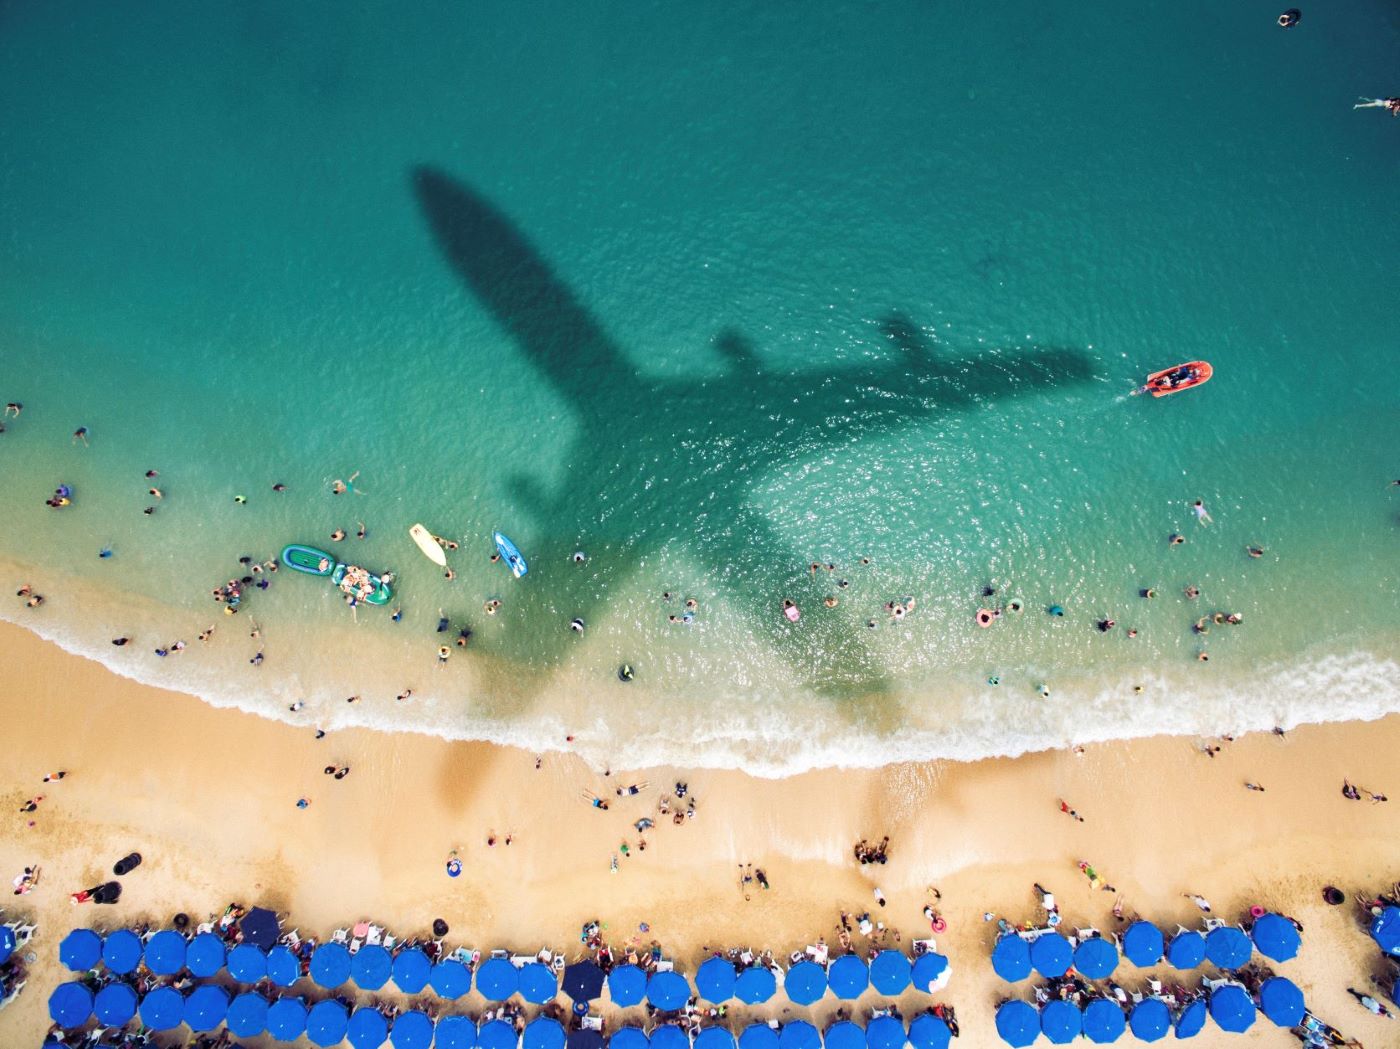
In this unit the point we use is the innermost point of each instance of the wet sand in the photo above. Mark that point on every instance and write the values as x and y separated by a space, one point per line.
208 797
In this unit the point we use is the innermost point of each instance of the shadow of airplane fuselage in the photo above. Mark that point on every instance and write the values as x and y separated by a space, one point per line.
674 452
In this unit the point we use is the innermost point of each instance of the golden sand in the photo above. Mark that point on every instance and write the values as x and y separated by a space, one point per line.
208 798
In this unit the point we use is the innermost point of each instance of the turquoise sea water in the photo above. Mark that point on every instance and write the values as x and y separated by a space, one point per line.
711 294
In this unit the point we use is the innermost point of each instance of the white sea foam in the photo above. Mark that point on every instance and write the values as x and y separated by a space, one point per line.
621 727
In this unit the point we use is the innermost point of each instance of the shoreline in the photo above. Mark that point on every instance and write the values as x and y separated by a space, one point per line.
485 698
206 795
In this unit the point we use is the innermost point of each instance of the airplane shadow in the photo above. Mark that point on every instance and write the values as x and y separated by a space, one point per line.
678 454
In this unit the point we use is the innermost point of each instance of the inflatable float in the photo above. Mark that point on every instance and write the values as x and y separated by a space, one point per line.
308 559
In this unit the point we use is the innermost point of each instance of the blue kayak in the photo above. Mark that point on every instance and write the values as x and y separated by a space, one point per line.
510 555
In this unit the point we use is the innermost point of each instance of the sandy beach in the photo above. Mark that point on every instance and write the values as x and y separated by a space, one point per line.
208 798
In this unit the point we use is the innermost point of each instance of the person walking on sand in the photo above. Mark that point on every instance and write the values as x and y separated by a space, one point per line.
1202 515
1199 901
1064 807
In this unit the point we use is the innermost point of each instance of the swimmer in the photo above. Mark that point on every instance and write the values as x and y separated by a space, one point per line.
871 624
35 601
1044 691
1014 607
337 535
1254 551
667 596
449 575
13 408
994 680
1234 619
205 635
989 590
1203 657
830 602
490 607
865 560
1390 105
279 487
1147 592
398 614
443 653
149 510
105 552
691 603
495 558
1056 610
152 473
240 499
985 617
841 584
1137 690
1290 18
463 636
156 493
1201 626
812 568
339 487
1105 625
257 660
624 673
360 534
80 434
1199 509
1218 618
576 625
580 557
1176 540
1132 631
1192 592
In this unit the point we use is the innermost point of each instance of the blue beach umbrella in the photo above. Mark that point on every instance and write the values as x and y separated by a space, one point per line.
669 1036
114 1005
758 1036
796 1034
326 1022
497 980
1276 937
627 985
1231 1008
537 983
1061 1021
929 1032
367 1029
1142 944
412 970
1282 1002
80 950
844 1035
497 1034
1104 1021
1150 1020
929 969
1187 950
205 955
330 965
7 943
543 1033
260 927
1011 958
632 1038
452 979
1385 930
1228 947
70 1004
805 983
206 1007
1192 1020
755 984
283 966
714 980
1018 1025
889 972
247 964
162 1009
454 1032
121 951
165 953
286 1019
247 1015
848 977
1051 954
667 991
714 1038
585 1039
371 967
1096 958
884 1032
583 981
413 1030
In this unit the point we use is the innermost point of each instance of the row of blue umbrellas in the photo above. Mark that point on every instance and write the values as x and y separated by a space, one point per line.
7 943
1385 930
372 966
1103 1020
329 1023
1050 954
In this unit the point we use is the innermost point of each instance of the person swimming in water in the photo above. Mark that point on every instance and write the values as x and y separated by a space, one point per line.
80 434
1199 509
1390 105
1290 18
576 625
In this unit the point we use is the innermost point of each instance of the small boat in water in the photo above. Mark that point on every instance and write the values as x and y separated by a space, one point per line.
308 559
360 584
510 555
1174 380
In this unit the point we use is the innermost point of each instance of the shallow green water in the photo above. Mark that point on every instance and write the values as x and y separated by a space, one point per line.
710 295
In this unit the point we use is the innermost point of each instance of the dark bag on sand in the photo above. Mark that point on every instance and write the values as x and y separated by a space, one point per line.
109 893
127 863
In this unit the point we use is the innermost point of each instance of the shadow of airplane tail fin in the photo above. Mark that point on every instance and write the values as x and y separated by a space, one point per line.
502 269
